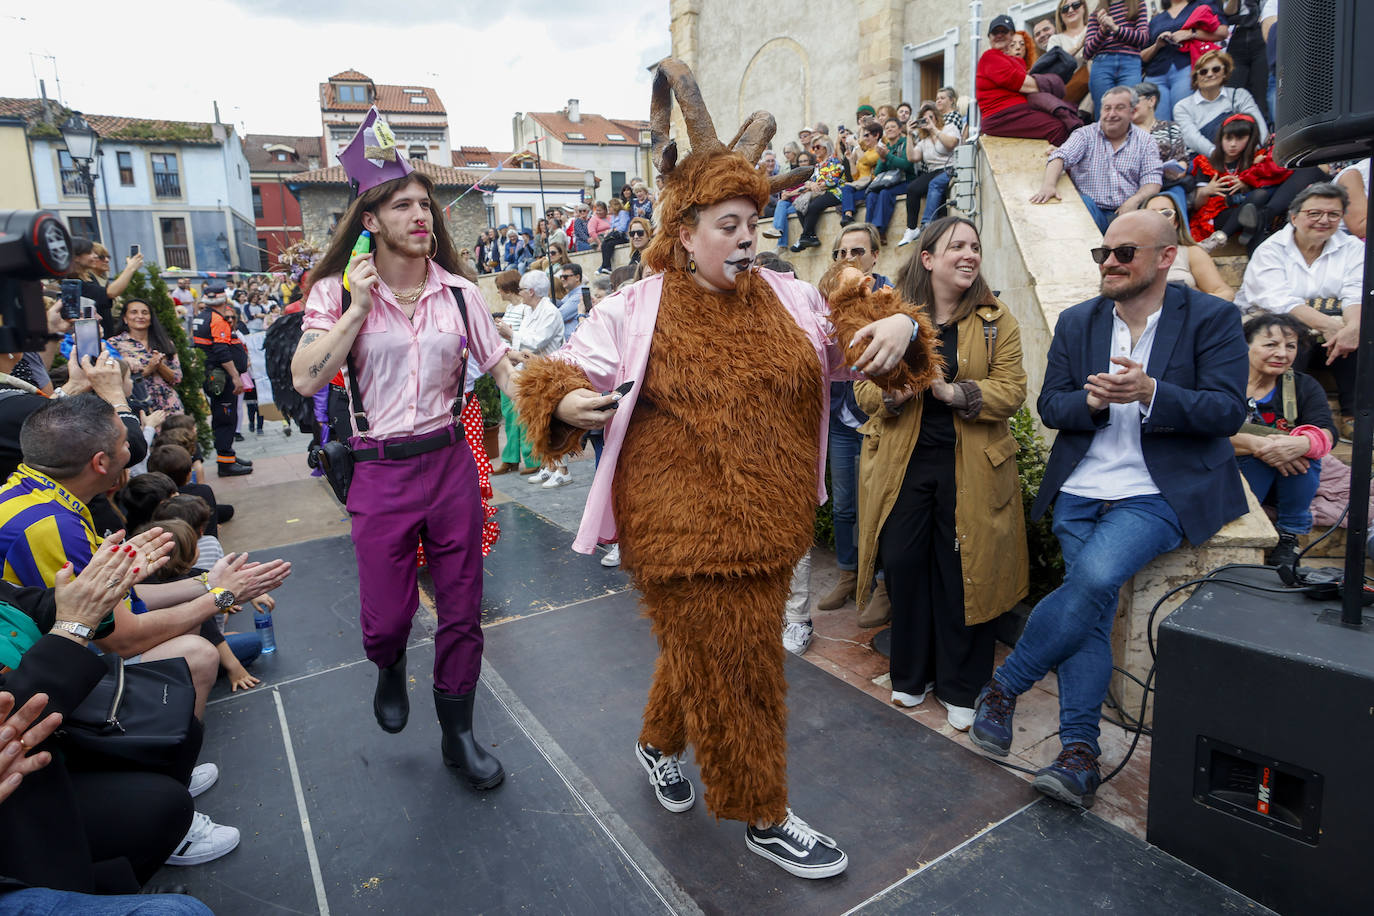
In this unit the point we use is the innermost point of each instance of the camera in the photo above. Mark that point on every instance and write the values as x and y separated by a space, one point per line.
33 245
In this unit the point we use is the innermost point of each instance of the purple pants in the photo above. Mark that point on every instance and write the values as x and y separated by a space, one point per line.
394 504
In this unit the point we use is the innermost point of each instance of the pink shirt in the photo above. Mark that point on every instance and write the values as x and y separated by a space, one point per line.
612 346
596 227
411 369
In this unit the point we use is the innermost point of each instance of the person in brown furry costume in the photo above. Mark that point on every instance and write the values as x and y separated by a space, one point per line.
730 366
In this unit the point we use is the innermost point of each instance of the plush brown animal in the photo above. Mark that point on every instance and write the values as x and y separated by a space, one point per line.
853 304
714 487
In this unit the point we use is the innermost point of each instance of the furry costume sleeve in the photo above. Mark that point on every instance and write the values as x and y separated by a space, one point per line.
544 382
853 305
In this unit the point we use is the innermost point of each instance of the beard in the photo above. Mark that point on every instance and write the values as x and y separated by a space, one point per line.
403 243
1124 288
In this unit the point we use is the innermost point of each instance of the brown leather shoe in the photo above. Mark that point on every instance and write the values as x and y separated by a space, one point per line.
502 468
842 592
878 611
524 471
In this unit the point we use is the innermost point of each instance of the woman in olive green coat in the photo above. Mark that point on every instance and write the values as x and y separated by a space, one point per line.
939 496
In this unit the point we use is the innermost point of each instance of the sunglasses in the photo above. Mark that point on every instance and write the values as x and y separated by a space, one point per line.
849 253
1167 213
1211 71
638 235
1124 254
1070 7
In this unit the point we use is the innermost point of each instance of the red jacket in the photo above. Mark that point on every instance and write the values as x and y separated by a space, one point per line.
999 82
1264 173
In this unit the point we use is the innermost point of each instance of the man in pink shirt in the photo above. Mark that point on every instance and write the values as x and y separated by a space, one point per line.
404 333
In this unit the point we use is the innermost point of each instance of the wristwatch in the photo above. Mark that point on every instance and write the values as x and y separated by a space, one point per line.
76 629
224 599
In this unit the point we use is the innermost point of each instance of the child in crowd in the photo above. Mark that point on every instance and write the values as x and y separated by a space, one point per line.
1237 174
175 462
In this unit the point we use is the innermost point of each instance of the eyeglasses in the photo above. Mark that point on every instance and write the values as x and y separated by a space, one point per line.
639 234
566 276
1211 71
1070 7
1124 254
1166 213
849 253
1322 216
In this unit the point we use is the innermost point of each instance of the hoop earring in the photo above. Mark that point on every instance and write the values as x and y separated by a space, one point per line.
433 245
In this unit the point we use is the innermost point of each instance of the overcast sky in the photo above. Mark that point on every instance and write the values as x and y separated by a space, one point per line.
262 60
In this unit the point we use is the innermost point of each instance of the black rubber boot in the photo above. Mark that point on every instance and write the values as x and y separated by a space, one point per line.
461 751
391 702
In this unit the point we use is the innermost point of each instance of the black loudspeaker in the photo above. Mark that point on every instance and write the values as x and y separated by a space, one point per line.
1325 81
1263 742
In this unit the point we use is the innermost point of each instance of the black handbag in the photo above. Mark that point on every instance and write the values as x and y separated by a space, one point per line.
138 714
1056 62
889 179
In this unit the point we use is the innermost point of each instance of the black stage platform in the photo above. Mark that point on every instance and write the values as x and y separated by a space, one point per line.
339 817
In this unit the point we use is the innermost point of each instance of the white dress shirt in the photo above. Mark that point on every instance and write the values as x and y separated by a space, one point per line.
1279 279
1114 466
542 330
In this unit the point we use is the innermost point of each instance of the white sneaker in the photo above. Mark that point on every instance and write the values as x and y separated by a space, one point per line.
612 557
769 232
204 842
557 479
909 236
910 700
960 717
1213 241
796 637
539 476
202 778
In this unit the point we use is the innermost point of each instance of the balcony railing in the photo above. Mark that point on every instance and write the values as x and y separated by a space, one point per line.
177 256
166 184
73 184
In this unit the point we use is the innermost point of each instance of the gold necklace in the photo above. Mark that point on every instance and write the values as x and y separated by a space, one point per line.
411 295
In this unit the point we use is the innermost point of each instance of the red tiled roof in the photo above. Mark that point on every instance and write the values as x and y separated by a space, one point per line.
261 160
464 156
21 108
393 123
593 127
441 175
388 99
351 76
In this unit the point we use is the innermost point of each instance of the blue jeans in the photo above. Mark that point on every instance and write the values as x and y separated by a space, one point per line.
781 212
40 901
1293 494
881 205
844 493
598 440
1102 216
1109 70
850 197
1174 87
1104 544
936 192
245 646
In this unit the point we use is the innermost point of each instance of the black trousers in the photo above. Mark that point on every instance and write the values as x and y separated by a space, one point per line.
1251 71
915 198
925 581
819 204
608 243
224 415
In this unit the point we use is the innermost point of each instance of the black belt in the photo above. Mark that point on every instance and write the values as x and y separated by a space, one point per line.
431 443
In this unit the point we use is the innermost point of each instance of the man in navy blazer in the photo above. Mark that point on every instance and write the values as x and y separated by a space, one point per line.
1145 383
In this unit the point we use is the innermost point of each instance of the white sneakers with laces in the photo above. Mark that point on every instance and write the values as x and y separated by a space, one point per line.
558 478
796 636
202 778
539 476
204 842
797 848
910 236
612 557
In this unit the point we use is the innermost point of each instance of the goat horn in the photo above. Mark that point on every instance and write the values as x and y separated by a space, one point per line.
672 79
753 136
786 181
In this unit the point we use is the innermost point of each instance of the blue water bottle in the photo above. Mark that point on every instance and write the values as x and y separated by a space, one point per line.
263 621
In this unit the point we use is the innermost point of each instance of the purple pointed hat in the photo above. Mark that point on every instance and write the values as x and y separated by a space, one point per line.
371 157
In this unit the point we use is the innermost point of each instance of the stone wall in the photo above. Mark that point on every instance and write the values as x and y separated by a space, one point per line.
323 205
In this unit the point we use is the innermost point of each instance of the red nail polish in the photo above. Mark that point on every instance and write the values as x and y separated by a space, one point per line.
135 569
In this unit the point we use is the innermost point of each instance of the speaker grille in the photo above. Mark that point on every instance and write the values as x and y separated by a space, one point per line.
1308 80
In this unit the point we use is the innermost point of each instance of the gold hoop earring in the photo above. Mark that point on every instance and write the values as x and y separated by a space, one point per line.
433 245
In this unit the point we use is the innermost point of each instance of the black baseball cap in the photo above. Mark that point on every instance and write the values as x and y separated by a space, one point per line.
1001 22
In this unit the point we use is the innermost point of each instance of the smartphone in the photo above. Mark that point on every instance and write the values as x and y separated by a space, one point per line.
87 335
71 299
621 390
133 250
587 298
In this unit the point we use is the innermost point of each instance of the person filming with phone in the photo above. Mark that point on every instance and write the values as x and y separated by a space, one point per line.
402 319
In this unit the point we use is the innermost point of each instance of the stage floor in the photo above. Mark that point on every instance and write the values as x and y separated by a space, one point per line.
337 816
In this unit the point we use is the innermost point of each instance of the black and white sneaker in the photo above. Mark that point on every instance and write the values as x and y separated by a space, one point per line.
798 848
674 790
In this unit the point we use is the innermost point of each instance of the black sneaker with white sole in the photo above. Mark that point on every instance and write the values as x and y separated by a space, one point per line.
797 848
674 790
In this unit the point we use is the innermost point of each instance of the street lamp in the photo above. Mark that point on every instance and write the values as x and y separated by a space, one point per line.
82 145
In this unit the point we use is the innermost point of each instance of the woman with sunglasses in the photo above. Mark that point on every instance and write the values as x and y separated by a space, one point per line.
1167 64
939 497
1201 114
1193 266
1071 31
91 265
